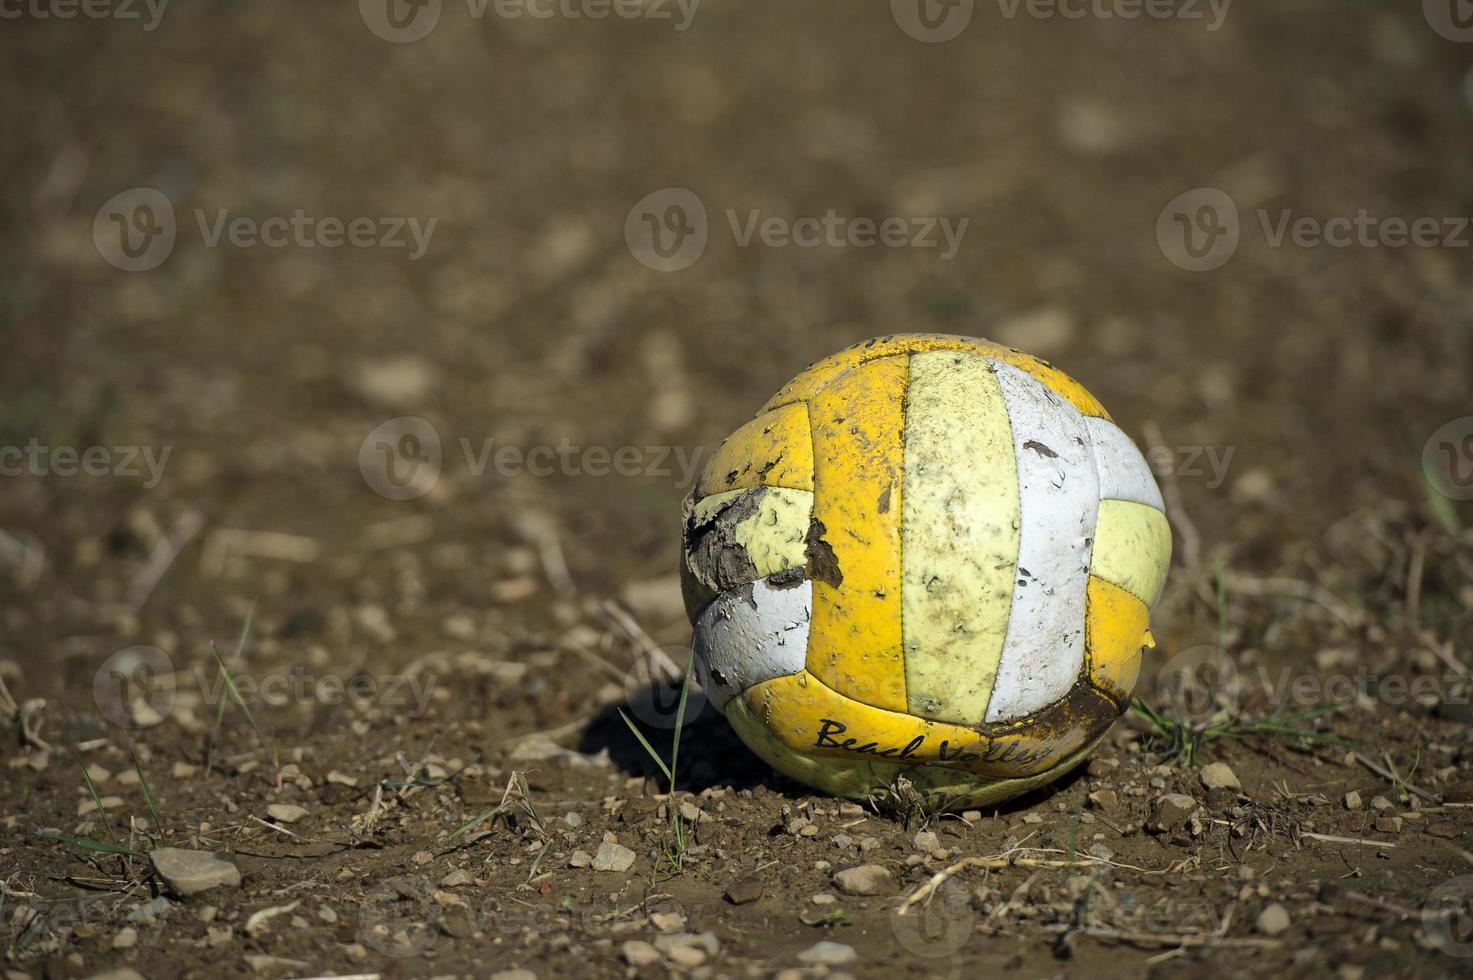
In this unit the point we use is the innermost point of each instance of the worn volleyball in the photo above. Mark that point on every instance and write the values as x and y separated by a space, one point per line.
929 557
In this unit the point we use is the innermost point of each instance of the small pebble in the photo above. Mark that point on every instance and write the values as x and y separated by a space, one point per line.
828 953
638 953
867 879
613 857
1219 775
1273 920
744 891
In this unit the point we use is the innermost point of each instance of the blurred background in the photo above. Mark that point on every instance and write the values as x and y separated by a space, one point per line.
302 271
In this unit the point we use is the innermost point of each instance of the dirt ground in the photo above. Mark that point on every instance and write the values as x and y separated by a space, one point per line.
341 444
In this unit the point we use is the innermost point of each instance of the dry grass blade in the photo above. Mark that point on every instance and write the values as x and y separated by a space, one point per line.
516 796
144 787
214 736
648 748
96 798
239 699
1396 780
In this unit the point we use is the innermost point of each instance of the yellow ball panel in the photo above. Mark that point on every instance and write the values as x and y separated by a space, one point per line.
1132 548
1116 628
809 717
854 642
942 786
773 450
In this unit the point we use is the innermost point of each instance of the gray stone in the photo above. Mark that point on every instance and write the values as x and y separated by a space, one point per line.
1172 812
744 891
153 909
829 954
1219 775
613 857
191 872
1273 920
867 879
638 953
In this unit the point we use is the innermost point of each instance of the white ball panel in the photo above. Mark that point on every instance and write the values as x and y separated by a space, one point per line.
1124 473
1059 495
746 637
